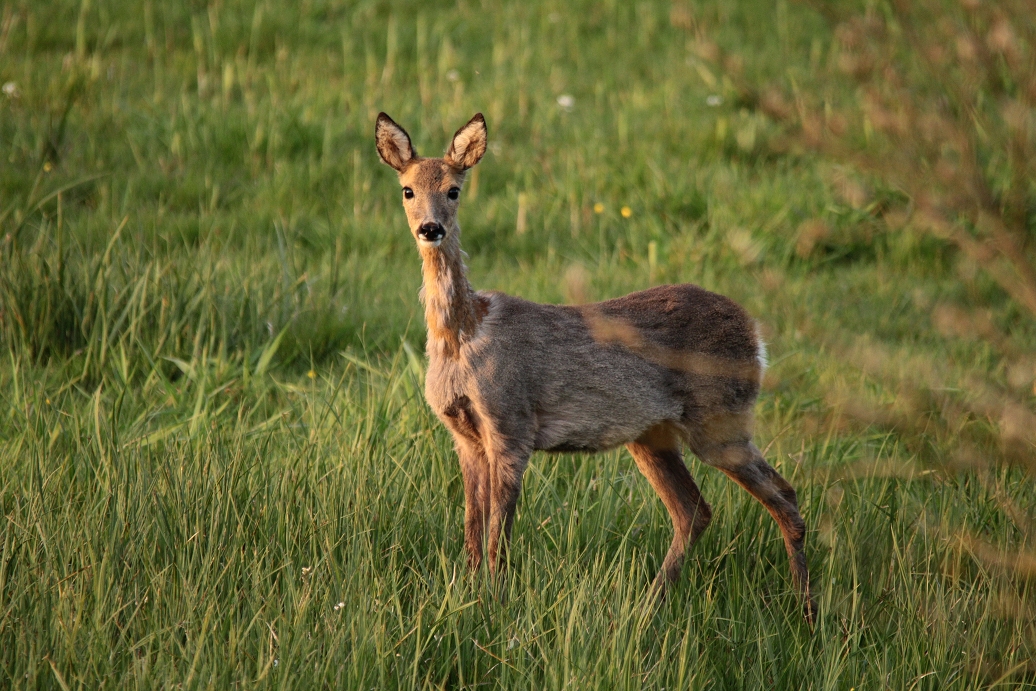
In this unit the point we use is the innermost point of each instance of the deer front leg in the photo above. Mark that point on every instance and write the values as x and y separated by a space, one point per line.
475 469
505 471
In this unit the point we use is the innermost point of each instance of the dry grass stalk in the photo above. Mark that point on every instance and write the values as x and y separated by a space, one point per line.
936 101
953 128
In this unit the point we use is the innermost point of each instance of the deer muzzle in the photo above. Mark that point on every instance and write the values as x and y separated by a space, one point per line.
431 233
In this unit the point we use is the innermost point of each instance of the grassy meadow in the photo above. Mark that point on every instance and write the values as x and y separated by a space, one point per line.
217 469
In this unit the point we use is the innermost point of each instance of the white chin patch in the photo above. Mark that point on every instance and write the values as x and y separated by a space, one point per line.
429 243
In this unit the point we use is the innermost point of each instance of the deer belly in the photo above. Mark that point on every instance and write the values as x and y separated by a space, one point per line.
602 425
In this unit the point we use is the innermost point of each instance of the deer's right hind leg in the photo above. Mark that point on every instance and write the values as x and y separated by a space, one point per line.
744 464
658 457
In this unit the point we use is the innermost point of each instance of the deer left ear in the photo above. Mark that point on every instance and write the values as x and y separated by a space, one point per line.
469 144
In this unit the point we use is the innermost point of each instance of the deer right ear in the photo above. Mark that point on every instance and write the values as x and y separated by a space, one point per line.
393 142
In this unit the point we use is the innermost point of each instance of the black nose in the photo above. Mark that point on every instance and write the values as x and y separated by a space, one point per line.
431 232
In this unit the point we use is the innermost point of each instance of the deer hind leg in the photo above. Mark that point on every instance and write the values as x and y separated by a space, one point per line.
744 464
658 457
475 468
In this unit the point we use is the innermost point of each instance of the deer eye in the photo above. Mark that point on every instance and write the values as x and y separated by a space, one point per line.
408 193
453 193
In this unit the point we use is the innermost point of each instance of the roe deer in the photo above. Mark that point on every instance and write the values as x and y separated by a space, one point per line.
653 370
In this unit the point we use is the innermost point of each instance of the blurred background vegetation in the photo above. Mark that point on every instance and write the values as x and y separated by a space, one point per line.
216 467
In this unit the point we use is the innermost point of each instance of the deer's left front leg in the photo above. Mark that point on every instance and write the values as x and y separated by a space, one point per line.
506 468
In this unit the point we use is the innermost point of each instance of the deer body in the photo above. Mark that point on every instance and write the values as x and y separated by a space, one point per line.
587 395
653 370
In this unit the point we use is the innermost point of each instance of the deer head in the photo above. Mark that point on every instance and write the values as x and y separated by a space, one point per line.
431 186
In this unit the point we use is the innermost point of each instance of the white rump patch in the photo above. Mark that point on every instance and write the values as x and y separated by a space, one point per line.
760 353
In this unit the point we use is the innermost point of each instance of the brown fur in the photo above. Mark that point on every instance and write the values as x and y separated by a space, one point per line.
653 370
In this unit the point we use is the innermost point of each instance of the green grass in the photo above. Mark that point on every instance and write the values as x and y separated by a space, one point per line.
216 465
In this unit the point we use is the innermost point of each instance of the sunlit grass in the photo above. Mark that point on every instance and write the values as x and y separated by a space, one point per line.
216 465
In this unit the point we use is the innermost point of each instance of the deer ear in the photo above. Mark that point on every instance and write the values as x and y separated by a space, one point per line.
393 142
469 144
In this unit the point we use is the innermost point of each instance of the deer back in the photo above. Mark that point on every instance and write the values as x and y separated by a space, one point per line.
595 376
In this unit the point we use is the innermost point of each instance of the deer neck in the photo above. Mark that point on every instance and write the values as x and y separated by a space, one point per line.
452 309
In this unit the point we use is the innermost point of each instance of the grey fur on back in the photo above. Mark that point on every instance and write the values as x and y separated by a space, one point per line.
541 369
